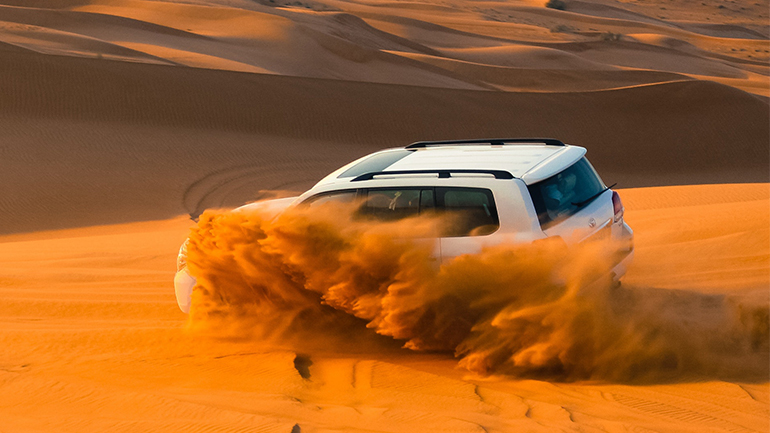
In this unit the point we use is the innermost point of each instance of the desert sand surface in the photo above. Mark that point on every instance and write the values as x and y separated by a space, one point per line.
93 341
121 119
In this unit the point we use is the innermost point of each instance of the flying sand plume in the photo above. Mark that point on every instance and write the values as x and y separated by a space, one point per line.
520 310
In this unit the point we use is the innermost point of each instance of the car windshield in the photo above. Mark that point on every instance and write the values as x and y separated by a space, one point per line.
338 197
375 163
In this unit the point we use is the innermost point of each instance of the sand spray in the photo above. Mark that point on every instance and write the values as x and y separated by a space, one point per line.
538 310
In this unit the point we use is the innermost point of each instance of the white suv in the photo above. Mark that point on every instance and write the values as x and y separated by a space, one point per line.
505 190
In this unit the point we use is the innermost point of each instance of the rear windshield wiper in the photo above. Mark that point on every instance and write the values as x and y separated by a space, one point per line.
589 199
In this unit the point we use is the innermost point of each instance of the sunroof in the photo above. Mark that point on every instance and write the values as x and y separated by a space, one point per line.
375 163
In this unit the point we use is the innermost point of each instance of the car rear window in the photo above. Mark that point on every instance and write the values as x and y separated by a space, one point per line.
563 194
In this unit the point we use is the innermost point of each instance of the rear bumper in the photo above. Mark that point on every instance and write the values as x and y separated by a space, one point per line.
183 287
624 256
621 267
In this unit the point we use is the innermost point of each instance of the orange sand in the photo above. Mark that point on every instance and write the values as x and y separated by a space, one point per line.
93 341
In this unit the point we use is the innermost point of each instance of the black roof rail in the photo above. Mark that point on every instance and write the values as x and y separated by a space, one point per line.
492 141
442 173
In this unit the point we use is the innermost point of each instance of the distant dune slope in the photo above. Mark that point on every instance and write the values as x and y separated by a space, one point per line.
88 141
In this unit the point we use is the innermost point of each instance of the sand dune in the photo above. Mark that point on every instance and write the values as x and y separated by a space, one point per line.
554 80
722 30
526 57
90 326
47 41
203 37
356 40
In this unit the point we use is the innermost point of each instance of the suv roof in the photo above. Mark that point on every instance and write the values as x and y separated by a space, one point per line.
528 161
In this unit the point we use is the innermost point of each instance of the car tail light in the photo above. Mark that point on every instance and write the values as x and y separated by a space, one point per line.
181 259
618 206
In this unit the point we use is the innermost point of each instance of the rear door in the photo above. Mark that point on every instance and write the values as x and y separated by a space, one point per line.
398 203
387 204
471 218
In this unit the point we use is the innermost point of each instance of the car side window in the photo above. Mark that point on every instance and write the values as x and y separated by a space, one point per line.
376 162
563 194
472 211
396 203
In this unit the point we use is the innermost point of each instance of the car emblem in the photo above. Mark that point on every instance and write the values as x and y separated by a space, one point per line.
592 223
